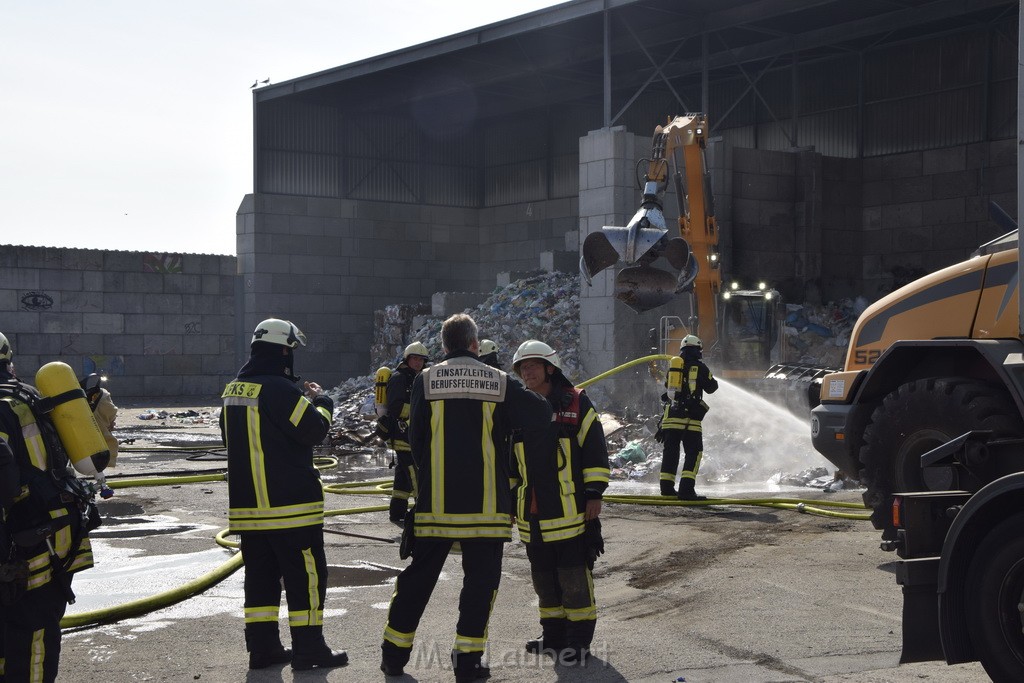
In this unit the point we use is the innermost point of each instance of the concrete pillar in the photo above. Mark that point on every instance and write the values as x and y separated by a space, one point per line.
610 332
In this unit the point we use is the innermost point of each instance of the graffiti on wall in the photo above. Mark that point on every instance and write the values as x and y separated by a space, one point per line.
68 347
36 301
193 327
108 366
161 263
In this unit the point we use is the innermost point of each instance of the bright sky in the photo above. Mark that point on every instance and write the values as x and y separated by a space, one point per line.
128 125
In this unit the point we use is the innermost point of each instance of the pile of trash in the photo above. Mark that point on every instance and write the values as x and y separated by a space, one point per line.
544 307
818 335
738 447
189 416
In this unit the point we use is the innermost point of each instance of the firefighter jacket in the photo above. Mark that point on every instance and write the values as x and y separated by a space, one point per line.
688 408
396 421
462 414
270 428
556 474
42 492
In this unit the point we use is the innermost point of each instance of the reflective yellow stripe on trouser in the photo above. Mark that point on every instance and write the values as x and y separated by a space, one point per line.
471 644
254 615
36 669
314 616
692 474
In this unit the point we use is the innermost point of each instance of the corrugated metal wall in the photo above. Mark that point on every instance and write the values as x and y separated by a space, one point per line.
944 91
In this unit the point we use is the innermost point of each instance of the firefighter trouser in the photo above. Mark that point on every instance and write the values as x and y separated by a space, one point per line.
404 485
693 446
405 475
296 556
481 573
30 633
565 592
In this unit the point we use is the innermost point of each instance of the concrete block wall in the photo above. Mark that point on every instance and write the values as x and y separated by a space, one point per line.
762 229
328 264
929 209
838 225
444 304
156 324
512 237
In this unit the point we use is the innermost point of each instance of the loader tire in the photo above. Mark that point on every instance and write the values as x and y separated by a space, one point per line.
994 592
917 417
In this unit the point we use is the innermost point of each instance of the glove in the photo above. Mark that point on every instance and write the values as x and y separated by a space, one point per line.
595 541
659 435
399 508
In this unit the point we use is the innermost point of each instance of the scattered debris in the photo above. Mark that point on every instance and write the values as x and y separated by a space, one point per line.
546 307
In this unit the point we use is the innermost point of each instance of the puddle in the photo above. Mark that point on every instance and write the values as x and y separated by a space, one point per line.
346 576
124 574
123 521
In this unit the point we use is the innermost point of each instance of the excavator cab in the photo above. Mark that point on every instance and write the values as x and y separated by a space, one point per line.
659 265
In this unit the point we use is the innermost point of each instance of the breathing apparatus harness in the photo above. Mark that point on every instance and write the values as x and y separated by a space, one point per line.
48 489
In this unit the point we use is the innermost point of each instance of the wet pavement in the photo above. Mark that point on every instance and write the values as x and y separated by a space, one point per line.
722 593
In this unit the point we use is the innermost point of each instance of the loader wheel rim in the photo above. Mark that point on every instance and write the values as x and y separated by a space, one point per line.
1011 601
910 476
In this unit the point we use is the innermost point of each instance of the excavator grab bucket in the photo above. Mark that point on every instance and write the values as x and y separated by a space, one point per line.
640 286
598 254
643 287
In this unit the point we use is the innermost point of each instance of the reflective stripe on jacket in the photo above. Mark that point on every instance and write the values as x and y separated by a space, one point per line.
558 472
38 499
270 428
397 419
698 381
462 414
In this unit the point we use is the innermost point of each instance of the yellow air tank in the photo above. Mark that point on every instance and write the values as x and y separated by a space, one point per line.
380 390
674 380
76 425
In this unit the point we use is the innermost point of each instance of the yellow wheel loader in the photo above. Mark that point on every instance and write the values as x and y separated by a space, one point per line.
933 360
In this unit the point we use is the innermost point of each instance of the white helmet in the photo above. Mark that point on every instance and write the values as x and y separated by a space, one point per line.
416 349
487 346
532 348
6 352
276 331
692 340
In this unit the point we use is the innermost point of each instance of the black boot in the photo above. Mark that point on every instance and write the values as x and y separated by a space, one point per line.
579 636
551 639
261 659
667 489
468 668
325 659
393 659
686 491
311 652
263 641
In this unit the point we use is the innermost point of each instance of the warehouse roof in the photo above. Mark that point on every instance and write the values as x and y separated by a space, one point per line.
556 55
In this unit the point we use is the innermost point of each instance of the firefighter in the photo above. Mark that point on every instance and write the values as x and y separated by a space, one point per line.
489 353
561 479
275 498
396 422
462 413
103 409
47 514
681 421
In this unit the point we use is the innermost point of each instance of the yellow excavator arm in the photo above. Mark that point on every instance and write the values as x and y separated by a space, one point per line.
692 257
